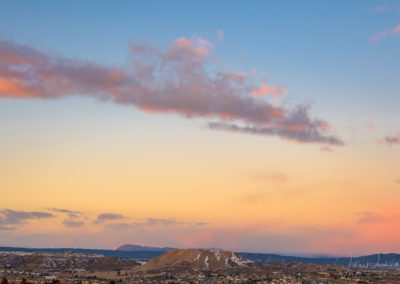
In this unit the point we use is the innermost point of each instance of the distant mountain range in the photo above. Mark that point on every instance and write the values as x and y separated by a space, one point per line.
143 252
130 247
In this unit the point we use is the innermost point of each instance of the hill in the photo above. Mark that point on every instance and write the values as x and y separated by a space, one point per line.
196 259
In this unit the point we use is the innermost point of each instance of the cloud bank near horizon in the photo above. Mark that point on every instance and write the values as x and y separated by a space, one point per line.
117 229
175 79
12 219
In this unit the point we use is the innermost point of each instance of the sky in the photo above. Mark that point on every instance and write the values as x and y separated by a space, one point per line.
262 126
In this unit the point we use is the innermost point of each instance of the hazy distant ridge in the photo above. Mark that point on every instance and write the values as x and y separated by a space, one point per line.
129 247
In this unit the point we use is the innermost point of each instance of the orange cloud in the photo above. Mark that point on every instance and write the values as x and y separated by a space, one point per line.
192 49
265 90
13 87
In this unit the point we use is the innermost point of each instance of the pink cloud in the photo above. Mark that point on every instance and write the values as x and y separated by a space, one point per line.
382 34
171 80
15 87
194 49
266 90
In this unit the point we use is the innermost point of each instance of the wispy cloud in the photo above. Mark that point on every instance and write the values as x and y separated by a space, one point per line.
369 217
61 210
71 213
388 7
75 219
119 226
151 223
327 149
305 131
104 217
376 38
220 34
11 219
71 223
175 79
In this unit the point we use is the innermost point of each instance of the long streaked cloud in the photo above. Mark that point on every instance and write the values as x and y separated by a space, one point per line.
71 213
71 223
75 219
369 217
387 7
176 79
11 219
149 222
62 210
302 132
104 217
376 38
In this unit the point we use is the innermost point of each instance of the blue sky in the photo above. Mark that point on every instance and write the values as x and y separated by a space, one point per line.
120 155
